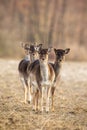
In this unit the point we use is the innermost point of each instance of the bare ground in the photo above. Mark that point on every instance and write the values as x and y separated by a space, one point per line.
70 100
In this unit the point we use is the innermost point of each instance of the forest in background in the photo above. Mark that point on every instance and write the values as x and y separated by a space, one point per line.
57 23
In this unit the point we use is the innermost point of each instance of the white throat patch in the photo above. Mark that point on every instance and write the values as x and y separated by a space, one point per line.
27 58
44 71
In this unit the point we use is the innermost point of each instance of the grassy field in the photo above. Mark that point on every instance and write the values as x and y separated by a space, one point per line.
70 100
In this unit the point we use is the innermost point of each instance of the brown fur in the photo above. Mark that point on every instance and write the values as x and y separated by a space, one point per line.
23 65
37 74
60 54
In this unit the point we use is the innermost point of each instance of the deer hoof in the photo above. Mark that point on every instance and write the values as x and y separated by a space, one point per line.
29 102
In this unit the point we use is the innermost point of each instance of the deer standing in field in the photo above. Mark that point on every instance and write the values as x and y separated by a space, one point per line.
60 56
43 76
31 55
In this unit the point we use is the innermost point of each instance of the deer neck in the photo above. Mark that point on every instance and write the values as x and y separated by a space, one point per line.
44 71
27 57
57 67
33 58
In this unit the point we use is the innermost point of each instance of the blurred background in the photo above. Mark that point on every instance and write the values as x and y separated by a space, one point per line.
57 23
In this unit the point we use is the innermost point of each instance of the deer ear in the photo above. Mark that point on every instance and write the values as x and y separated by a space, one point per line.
39 50
55 50
67 50
27 47
38 47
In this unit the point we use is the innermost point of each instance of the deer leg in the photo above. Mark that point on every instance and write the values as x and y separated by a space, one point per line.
26 95
29 94
47 98
29 91
52 94
34 96
33 101
25 89
42 95
37 98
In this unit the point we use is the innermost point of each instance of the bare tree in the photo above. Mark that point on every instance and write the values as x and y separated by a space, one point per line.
61 22
52 24
81 39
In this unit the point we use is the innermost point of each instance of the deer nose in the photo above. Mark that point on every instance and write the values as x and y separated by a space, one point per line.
43 59
61 59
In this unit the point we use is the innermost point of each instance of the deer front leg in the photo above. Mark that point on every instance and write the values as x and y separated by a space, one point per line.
29 94
33 102
52 96
47 98
42 95
37 99
29 91
26 94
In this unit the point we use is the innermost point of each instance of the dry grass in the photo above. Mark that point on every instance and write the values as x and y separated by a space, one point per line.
70 101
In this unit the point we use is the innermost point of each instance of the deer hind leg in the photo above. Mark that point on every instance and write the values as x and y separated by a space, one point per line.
25 88
29 91
52 96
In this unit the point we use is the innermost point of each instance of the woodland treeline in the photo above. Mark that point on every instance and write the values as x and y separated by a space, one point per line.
57 23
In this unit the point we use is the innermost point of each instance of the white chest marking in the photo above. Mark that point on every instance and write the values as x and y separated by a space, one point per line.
44 72
27 58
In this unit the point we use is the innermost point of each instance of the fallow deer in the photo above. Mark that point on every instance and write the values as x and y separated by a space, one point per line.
43 77
60 56
31 55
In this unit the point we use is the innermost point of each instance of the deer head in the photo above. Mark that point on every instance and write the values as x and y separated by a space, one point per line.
26 47
43 54
31 49
60 54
